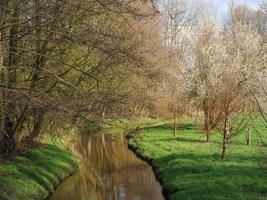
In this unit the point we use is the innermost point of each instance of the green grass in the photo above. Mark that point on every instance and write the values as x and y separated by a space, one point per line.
35 173
191 169
119 125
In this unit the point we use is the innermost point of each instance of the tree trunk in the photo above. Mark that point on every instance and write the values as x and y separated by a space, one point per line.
8 140
174 124
37 127
2 68
248 137
207 136
7 145
38 63
206 118
225 142
224 148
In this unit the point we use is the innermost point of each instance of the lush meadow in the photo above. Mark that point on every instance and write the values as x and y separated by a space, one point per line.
190 168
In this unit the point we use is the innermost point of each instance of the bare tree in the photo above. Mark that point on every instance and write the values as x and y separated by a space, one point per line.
232 99
66 61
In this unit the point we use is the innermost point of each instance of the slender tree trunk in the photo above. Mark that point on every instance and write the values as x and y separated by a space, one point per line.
224 148
248 137
225 141
38 125
38 64
207 135
8 140
2 70
196 121
174 124
206 118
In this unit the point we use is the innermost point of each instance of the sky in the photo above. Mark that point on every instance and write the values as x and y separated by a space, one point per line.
222 5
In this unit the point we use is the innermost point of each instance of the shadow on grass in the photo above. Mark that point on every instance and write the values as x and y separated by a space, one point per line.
179 127
161 127
201 174
179 139
215 157
186 127
192 176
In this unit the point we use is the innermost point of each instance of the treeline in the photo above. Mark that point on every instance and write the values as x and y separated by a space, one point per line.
218 69
69 62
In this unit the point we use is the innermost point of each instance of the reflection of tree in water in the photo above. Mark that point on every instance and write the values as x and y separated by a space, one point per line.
110 171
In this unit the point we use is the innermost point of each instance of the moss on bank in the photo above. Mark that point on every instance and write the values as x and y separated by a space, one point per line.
188 168
35 173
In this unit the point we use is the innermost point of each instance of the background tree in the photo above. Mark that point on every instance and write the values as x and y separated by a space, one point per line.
210 56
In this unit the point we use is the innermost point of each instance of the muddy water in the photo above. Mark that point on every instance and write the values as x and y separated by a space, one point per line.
109 171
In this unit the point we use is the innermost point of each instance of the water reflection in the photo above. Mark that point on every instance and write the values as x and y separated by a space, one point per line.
109 172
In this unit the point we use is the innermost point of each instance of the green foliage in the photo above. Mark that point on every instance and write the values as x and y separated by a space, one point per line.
191 169
34 174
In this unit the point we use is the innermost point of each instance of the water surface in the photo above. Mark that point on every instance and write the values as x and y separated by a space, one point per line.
109 171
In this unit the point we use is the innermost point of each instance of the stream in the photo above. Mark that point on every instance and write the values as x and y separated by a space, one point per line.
109 171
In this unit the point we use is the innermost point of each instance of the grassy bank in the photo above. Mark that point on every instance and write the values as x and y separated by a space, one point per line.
35 173
117 126
190 169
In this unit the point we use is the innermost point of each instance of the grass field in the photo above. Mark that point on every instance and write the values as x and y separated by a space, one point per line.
191 169
35 173
117 126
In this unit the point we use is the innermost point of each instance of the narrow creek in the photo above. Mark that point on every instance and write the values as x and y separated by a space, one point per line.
109 171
